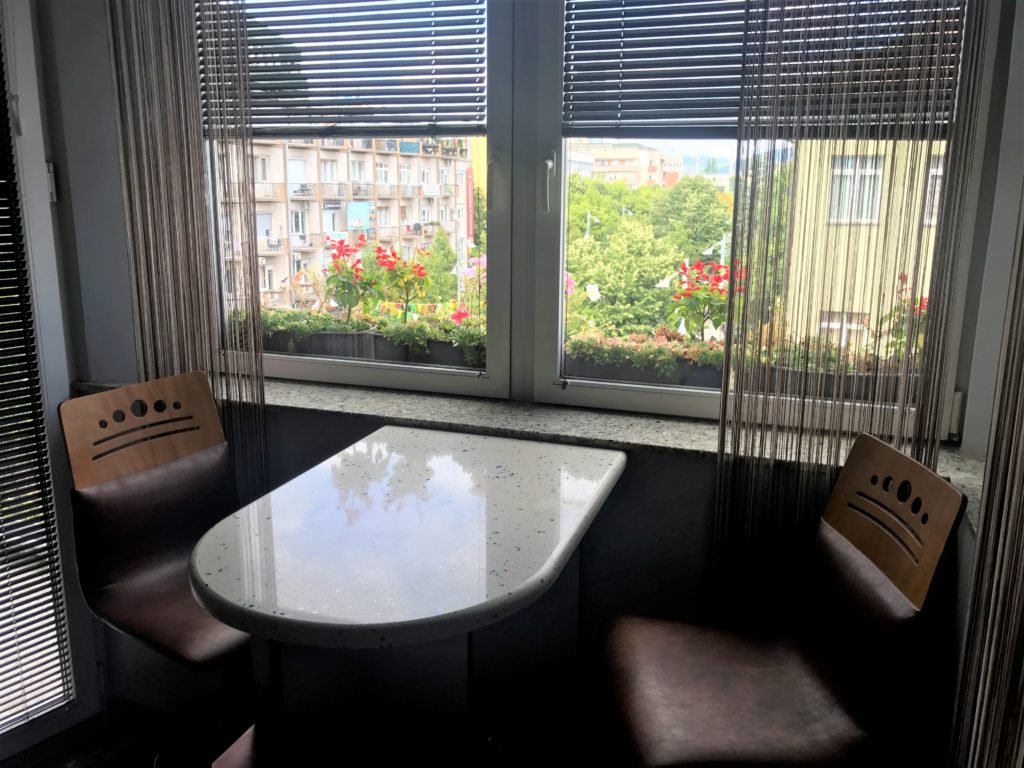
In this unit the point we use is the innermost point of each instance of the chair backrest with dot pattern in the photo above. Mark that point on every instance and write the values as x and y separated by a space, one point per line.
139 426
897 512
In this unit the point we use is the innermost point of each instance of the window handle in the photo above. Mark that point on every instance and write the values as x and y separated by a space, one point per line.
549 173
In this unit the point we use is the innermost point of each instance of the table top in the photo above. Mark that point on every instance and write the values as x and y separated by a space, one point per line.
406 536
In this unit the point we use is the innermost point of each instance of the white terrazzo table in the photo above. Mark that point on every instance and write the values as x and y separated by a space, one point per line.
407 536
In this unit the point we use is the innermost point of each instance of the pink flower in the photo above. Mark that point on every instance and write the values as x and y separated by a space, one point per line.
459 315
570 284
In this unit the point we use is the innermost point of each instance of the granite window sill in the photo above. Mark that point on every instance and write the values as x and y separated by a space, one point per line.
579 426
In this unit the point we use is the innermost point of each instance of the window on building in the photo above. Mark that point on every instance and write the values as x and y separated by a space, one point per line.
358 170
460 178
425 217
261 168
933 190
383 217
382 172
444 175
403 174
328 170
855 194
424 175
264 223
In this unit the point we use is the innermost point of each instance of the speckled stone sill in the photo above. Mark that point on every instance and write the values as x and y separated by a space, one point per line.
579 426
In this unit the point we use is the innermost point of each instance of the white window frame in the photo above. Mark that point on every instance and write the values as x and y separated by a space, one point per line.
358 170
933 190
261 168
494 381
854 176
381 171
328 171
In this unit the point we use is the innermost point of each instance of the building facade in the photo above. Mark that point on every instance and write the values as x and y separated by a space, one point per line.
396 192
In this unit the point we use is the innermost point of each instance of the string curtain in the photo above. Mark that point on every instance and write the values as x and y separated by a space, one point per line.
854 130
189 208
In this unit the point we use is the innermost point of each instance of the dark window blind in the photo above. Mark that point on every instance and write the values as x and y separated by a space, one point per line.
676 67
35 665
387 67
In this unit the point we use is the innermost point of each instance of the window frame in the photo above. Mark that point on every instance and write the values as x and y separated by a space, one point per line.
494 380
857 174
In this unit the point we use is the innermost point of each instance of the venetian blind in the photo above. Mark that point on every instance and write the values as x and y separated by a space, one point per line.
636 68
35 663
387 67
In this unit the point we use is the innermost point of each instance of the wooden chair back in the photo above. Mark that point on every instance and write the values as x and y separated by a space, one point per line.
139 426
897 512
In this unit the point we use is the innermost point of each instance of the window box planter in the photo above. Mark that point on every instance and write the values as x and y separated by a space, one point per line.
581 368
285 342
446 353
883 387
386 350
333 344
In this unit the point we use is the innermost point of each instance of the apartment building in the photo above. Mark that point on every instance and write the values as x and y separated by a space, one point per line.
396 192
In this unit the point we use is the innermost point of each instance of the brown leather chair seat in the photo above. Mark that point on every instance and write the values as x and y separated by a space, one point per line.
698 696
158 605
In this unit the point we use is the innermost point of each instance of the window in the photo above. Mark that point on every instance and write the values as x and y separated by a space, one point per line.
261 167
264 223
933 191
855 195
328 170
634 214
845 329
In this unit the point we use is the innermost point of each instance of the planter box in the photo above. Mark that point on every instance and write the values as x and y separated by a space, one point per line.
386 350
704 376
883 387
579 368
283 342
332 344
446 353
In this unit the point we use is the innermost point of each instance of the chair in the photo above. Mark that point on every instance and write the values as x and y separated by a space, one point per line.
838 689
152 473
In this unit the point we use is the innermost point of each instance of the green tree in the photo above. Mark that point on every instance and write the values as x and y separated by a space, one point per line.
626 271
479 219
439 261
692 216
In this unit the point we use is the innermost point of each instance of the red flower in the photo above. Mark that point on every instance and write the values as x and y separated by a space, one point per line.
387 259
418 270
459 315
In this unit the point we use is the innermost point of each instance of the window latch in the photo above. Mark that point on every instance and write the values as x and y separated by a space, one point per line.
549 173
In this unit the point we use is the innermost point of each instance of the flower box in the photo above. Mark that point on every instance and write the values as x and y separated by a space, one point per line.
883 387
446 353
286 343
334 344
581 368
386 350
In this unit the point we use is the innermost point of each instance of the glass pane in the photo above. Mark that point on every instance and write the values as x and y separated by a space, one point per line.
647 260
392 275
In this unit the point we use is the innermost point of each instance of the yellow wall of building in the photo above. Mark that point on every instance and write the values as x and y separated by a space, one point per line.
838 267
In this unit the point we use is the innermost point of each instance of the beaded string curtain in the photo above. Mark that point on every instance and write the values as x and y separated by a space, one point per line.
187 184
990 710
854 150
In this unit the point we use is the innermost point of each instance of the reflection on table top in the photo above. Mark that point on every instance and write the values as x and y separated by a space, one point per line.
408 535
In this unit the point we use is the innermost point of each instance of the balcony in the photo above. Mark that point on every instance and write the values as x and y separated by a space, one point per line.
409 147
306 241
430 190
449 190
362 143
269 245
449 150
334 189
409 190
385 190
332 143
303 189
303 141
362 189
355 232
386 145
430 147
410 231
387 234
268 190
